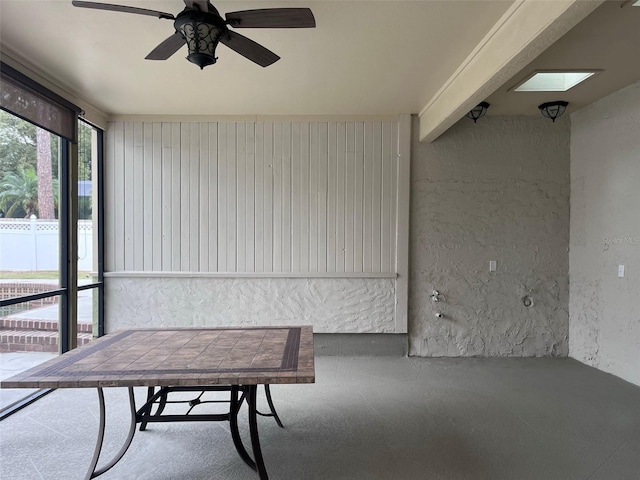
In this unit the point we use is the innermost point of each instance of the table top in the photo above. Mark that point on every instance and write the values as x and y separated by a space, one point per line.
180 356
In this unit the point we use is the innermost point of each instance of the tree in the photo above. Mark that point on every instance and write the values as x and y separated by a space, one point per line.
45 177
23 145
17 143
84 151
19 193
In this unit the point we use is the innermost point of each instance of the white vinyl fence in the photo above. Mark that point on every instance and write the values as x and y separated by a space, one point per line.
34 245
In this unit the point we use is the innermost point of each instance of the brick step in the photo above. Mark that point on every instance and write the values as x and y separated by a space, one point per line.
34 340
40 325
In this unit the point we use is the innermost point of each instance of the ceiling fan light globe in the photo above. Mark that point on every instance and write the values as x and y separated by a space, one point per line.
201 33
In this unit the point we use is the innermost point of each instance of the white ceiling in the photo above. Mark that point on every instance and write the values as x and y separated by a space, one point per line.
364 57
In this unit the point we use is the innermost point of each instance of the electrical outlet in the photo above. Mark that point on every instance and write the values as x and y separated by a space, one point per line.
492 265
621 271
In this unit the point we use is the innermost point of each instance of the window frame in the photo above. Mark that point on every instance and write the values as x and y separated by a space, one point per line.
68 227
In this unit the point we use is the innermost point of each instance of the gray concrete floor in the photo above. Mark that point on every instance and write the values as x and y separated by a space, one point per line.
12 363
366 418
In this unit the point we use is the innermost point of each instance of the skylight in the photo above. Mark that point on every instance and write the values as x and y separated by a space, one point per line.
553 81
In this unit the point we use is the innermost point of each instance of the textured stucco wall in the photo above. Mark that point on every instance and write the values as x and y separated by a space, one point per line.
605 232
495 190
331 305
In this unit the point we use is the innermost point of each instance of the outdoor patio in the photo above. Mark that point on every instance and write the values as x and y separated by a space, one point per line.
30 336
34 327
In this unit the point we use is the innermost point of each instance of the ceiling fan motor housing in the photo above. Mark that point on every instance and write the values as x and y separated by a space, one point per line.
202 32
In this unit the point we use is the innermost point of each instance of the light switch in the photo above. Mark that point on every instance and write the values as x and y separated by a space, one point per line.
492 265
621 271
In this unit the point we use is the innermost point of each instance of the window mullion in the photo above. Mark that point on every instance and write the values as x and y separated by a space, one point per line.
68 325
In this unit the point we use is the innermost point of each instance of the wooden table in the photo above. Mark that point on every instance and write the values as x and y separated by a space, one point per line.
235 359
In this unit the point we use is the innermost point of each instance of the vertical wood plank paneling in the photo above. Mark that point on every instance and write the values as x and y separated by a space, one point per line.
376 197
128 196
332 196
241 195
259 218
277 198
323 194
176 196
387 193
223 224
204 190
167 195
358 199
269 185
138 186
245 196
147 201
286 197
185 195
213 197
296 199
232 187
395 153
349 209
341 164
250 185
194 197
367 197
155 197
304 197
314 197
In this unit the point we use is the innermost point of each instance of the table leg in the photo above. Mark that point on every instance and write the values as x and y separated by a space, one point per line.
274 414
92 472
253 430
147 411
234 407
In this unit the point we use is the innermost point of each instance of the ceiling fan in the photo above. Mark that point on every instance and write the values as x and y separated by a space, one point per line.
201 27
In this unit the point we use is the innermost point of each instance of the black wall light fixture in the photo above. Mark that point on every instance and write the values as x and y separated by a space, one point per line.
553 110
478 111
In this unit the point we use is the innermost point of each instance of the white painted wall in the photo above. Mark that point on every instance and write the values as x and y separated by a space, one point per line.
605 233
315 201
252 196
495 190
331 305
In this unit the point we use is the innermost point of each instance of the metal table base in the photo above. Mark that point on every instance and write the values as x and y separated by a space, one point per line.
153 411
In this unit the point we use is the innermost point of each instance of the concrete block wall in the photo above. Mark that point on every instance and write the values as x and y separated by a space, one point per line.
496 190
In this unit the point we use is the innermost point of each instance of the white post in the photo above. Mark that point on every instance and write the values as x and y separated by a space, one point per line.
402 233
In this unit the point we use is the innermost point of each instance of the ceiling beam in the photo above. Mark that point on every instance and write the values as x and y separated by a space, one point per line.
527 29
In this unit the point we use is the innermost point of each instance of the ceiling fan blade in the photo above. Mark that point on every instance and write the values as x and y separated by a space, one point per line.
122 8
167 48
272 18
203 5
249 49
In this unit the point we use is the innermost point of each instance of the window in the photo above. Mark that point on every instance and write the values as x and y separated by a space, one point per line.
48 304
